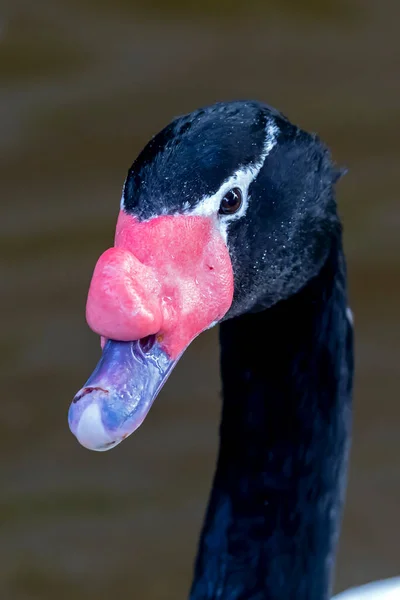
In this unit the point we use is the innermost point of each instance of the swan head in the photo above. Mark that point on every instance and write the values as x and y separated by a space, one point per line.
227 210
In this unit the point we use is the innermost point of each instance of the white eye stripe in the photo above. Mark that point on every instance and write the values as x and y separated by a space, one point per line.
242 179
122 202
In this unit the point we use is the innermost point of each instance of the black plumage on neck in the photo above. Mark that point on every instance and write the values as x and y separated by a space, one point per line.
286 345
274 514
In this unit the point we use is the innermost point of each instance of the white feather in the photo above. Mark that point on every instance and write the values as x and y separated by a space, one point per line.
386 589
209 205
242 178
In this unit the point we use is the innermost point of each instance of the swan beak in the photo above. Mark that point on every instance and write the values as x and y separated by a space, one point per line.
162 284
118 395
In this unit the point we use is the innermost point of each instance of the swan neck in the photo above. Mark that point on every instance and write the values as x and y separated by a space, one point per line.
274 515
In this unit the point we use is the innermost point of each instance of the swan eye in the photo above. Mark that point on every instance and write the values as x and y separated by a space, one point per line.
231 202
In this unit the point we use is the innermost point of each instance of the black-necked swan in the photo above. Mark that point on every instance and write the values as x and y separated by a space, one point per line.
228 216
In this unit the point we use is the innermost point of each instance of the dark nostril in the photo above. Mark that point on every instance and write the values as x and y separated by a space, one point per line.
147 343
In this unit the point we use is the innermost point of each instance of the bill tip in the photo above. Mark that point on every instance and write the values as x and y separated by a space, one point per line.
90 431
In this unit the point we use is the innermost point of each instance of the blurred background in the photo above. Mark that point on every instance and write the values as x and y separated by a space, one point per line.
84 84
